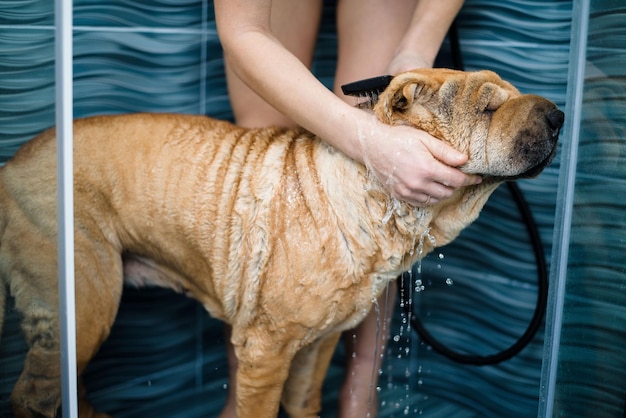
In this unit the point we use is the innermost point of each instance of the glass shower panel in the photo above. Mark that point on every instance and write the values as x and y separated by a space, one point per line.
591 362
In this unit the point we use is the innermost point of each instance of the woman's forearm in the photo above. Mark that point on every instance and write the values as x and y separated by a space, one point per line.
421 43
261 62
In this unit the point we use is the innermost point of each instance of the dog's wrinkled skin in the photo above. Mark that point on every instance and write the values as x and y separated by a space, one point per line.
272 230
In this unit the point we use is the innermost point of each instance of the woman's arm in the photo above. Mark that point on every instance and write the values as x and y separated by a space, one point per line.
420 45
412 164
276 75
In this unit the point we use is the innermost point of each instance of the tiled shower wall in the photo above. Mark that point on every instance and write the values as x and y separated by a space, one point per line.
165 356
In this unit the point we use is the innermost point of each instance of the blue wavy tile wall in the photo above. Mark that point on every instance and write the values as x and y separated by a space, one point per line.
163 55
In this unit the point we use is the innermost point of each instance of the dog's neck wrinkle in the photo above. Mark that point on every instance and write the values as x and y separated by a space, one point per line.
402 230
379 231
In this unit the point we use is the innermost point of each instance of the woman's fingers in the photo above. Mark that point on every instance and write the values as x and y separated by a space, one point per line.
416 167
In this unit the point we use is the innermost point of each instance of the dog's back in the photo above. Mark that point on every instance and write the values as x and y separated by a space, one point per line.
216 206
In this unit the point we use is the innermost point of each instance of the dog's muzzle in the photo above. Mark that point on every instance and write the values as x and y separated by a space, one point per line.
555 119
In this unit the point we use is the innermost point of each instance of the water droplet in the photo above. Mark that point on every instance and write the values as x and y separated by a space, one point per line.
441 256
449 281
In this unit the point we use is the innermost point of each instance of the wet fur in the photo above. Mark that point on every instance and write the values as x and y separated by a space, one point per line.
272 230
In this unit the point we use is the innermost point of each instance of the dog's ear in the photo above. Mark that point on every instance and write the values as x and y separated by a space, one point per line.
405 90
491 96
413 88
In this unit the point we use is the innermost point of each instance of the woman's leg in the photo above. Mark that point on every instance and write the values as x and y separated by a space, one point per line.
365 349
295 24
368 34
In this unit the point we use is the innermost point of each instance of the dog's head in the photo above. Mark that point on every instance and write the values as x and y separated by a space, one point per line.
506 134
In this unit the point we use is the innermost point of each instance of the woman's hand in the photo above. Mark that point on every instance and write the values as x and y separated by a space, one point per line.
407 60
413 165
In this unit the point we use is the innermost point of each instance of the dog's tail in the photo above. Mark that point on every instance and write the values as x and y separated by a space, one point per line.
3 281
3 298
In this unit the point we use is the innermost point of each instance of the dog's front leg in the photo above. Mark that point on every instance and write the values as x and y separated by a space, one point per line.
261 374
302 396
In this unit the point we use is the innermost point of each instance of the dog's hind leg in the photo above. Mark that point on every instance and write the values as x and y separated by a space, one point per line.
37 392
302 396
99 283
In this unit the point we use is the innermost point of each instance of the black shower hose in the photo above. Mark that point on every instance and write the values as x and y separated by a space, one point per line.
542 271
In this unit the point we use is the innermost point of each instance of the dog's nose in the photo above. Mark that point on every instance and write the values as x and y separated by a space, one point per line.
555 118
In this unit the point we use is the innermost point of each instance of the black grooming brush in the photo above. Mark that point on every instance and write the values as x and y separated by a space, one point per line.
367 87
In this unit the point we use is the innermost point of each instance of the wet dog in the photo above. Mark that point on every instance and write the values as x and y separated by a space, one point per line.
272 230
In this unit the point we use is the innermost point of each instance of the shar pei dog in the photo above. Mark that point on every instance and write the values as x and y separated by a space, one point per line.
272 230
